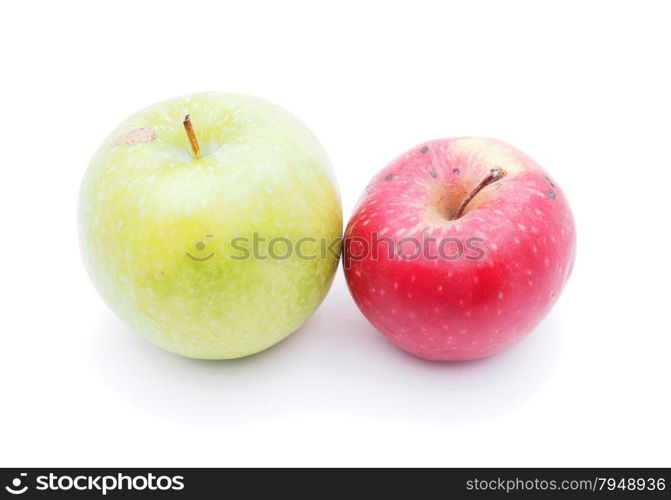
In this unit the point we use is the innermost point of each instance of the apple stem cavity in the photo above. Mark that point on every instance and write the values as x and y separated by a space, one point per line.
191 134
495 174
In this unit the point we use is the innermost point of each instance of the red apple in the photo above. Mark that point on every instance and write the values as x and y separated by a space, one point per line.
459 248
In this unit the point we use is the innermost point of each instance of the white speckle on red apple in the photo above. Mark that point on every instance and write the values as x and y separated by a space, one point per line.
469 308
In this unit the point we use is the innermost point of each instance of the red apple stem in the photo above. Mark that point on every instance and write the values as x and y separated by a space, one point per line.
495 174
191 134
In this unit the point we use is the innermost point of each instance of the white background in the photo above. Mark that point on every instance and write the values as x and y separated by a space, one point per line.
583 88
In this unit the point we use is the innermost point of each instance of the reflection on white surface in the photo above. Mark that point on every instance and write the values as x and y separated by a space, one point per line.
335 364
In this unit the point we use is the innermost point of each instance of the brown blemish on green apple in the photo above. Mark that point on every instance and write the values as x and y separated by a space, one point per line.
136 136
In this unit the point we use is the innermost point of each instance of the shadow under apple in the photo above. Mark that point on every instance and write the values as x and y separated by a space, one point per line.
336 364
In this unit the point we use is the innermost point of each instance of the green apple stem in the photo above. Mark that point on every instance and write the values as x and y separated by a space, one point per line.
192 137
494 175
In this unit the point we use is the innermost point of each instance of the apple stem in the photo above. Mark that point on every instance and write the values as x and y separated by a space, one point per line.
192 137
494 175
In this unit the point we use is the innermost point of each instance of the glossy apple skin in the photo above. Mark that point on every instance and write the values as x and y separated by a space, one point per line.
518 247
157 226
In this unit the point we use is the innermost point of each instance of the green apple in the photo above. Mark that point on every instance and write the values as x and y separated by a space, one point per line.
216 248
